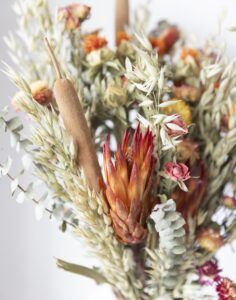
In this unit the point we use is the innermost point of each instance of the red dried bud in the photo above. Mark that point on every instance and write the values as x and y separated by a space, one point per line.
226 289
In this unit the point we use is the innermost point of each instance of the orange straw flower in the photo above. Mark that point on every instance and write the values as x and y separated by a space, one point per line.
122 36
94 42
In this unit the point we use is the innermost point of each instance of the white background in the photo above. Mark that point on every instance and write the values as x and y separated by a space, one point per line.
27 247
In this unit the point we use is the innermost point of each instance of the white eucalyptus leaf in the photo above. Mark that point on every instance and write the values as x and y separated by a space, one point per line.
6 167
14 185
14 139
29 190
18 147
26 161
2 123
39 211
14 124
20 198
24 143
4 112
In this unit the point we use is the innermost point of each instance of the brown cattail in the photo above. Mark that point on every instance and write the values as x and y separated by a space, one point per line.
122 15
74 119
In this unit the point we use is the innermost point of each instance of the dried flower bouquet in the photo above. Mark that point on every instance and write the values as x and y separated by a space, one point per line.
135 145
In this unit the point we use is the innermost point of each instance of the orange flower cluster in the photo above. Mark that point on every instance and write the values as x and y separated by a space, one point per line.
93 42
122 36
189 52
130 190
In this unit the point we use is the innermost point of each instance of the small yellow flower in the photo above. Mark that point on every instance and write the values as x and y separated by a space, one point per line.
181 108
115 96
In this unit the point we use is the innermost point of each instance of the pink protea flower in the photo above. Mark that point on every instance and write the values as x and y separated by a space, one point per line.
130 185
209 272
74 14
176 172
226 289
175 126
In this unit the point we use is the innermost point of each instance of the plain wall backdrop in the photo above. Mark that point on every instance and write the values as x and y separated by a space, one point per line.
27 247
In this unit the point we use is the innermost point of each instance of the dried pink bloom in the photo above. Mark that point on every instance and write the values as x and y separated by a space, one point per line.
74 14
176 172
175 126
209 272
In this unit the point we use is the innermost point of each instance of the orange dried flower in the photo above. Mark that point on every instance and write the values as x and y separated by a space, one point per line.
189 52
210 239
40 93
158 44
122 36
166 40
129 188
226 289
94 42
170 36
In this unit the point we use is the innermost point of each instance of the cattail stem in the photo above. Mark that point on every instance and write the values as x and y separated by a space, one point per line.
122 15
76 125
53 59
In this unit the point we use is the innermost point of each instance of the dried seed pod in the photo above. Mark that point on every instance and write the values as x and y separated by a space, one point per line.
74 119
